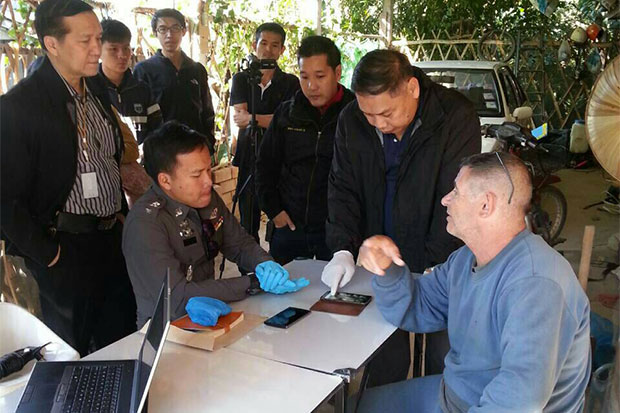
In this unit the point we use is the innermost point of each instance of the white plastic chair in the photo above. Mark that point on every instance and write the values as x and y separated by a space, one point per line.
19 329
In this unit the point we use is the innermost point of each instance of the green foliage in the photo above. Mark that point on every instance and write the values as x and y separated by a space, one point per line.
428 16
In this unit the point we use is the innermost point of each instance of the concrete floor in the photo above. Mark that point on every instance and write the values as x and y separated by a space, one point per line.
581 188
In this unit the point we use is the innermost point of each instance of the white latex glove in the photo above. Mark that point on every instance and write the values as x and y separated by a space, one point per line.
339 271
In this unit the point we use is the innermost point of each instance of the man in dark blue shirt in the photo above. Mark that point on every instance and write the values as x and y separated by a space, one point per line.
396 154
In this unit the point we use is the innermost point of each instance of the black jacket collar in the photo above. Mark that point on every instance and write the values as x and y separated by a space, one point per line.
56 89
430 112
302 109
127 81
185 62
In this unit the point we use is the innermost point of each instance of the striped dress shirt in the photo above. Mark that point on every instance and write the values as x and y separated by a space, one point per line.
96 149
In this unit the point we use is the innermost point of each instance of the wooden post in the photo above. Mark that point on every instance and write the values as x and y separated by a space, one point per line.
586 256
319 16
204 36
385 22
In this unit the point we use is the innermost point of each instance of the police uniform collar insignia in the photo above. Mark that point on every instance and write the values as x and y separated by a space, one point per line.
213 213
178 212
154 204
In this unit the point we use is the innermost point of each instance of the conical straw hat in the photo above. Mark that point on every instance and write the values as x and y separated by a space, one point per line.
603 119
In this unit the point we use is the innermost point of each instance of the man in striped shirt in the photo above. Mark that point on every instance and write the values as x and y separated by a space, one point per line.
61 186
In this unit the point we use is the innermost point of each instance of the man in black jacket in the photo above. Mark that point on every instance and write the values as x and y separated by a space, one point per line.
177 83
60 183
397 153
131 97
296 154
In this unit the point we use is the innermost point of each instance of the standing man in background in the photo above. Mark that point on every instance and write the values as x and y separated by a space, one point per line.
132 100
397 152
296 154
178 84
131 97
274 88
60 183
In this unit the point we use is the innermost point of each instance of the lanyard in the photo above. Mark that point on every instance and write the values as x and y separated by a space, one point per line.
82 121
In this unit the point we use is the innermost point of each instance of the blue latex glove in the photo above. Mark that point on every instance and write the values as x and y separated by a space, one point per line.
290 286
270 274
206 310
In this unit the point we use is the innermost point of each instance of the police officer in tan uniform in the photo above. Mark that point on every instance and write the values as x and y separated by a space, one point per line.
181 224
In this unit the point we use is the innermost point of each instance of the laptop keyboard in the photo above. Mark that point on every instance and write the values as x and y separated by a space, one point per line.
94 389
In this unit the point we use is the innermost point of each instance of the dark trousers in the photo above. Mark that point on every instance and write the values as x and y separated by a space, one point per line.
87 294
286 245
437 347
249 215
391 363
249 211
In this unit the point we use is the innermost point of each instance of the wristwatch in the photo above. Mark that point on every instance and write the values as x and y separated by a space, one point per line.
254 287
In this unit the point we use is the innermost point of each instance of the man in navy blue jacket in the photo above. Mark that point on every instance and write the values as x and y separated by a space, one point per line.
131 97
177 83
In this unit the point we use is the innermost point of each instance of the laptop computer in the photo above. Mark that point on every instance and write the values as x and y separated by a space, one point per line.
116 386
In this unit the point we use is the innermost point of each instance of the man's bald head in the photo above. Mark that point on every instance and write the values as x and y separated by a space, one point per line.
503 174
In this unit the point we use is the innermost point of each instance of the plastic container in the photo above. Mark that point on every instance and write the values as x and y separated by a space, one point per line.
578 141
19 329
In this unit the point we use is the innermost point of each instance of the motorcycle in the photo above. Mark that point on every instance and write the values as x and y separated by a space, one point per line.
548 209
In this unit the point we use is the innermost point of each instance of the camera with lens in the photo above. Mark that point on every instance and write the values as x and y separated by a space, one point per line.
253 66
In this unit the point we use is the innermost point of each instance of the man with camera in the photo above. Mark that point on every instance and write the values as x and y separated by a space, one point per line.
178 84
274 87
296 154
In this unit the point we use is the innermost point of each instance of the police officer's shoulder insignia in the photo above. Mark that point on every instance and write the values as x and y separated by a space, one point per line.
153 206
138 107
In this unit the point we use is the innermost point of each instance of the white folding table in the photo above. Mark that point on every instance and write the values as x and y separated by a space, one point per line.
324 342
192 380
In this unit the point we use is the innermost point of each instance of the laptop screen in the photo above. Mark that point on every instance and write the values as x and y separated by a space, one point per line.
152 344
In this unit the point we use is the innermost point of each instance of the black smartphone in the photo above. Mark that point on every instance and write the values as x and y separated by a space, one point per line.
286 318
348 298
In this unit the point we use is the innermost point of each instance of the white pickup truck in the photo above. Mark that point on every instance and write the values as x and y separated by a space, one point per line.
491 86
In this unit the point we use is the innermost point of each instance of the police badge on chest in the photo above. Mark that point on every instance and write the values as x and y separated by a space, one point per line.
187 233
